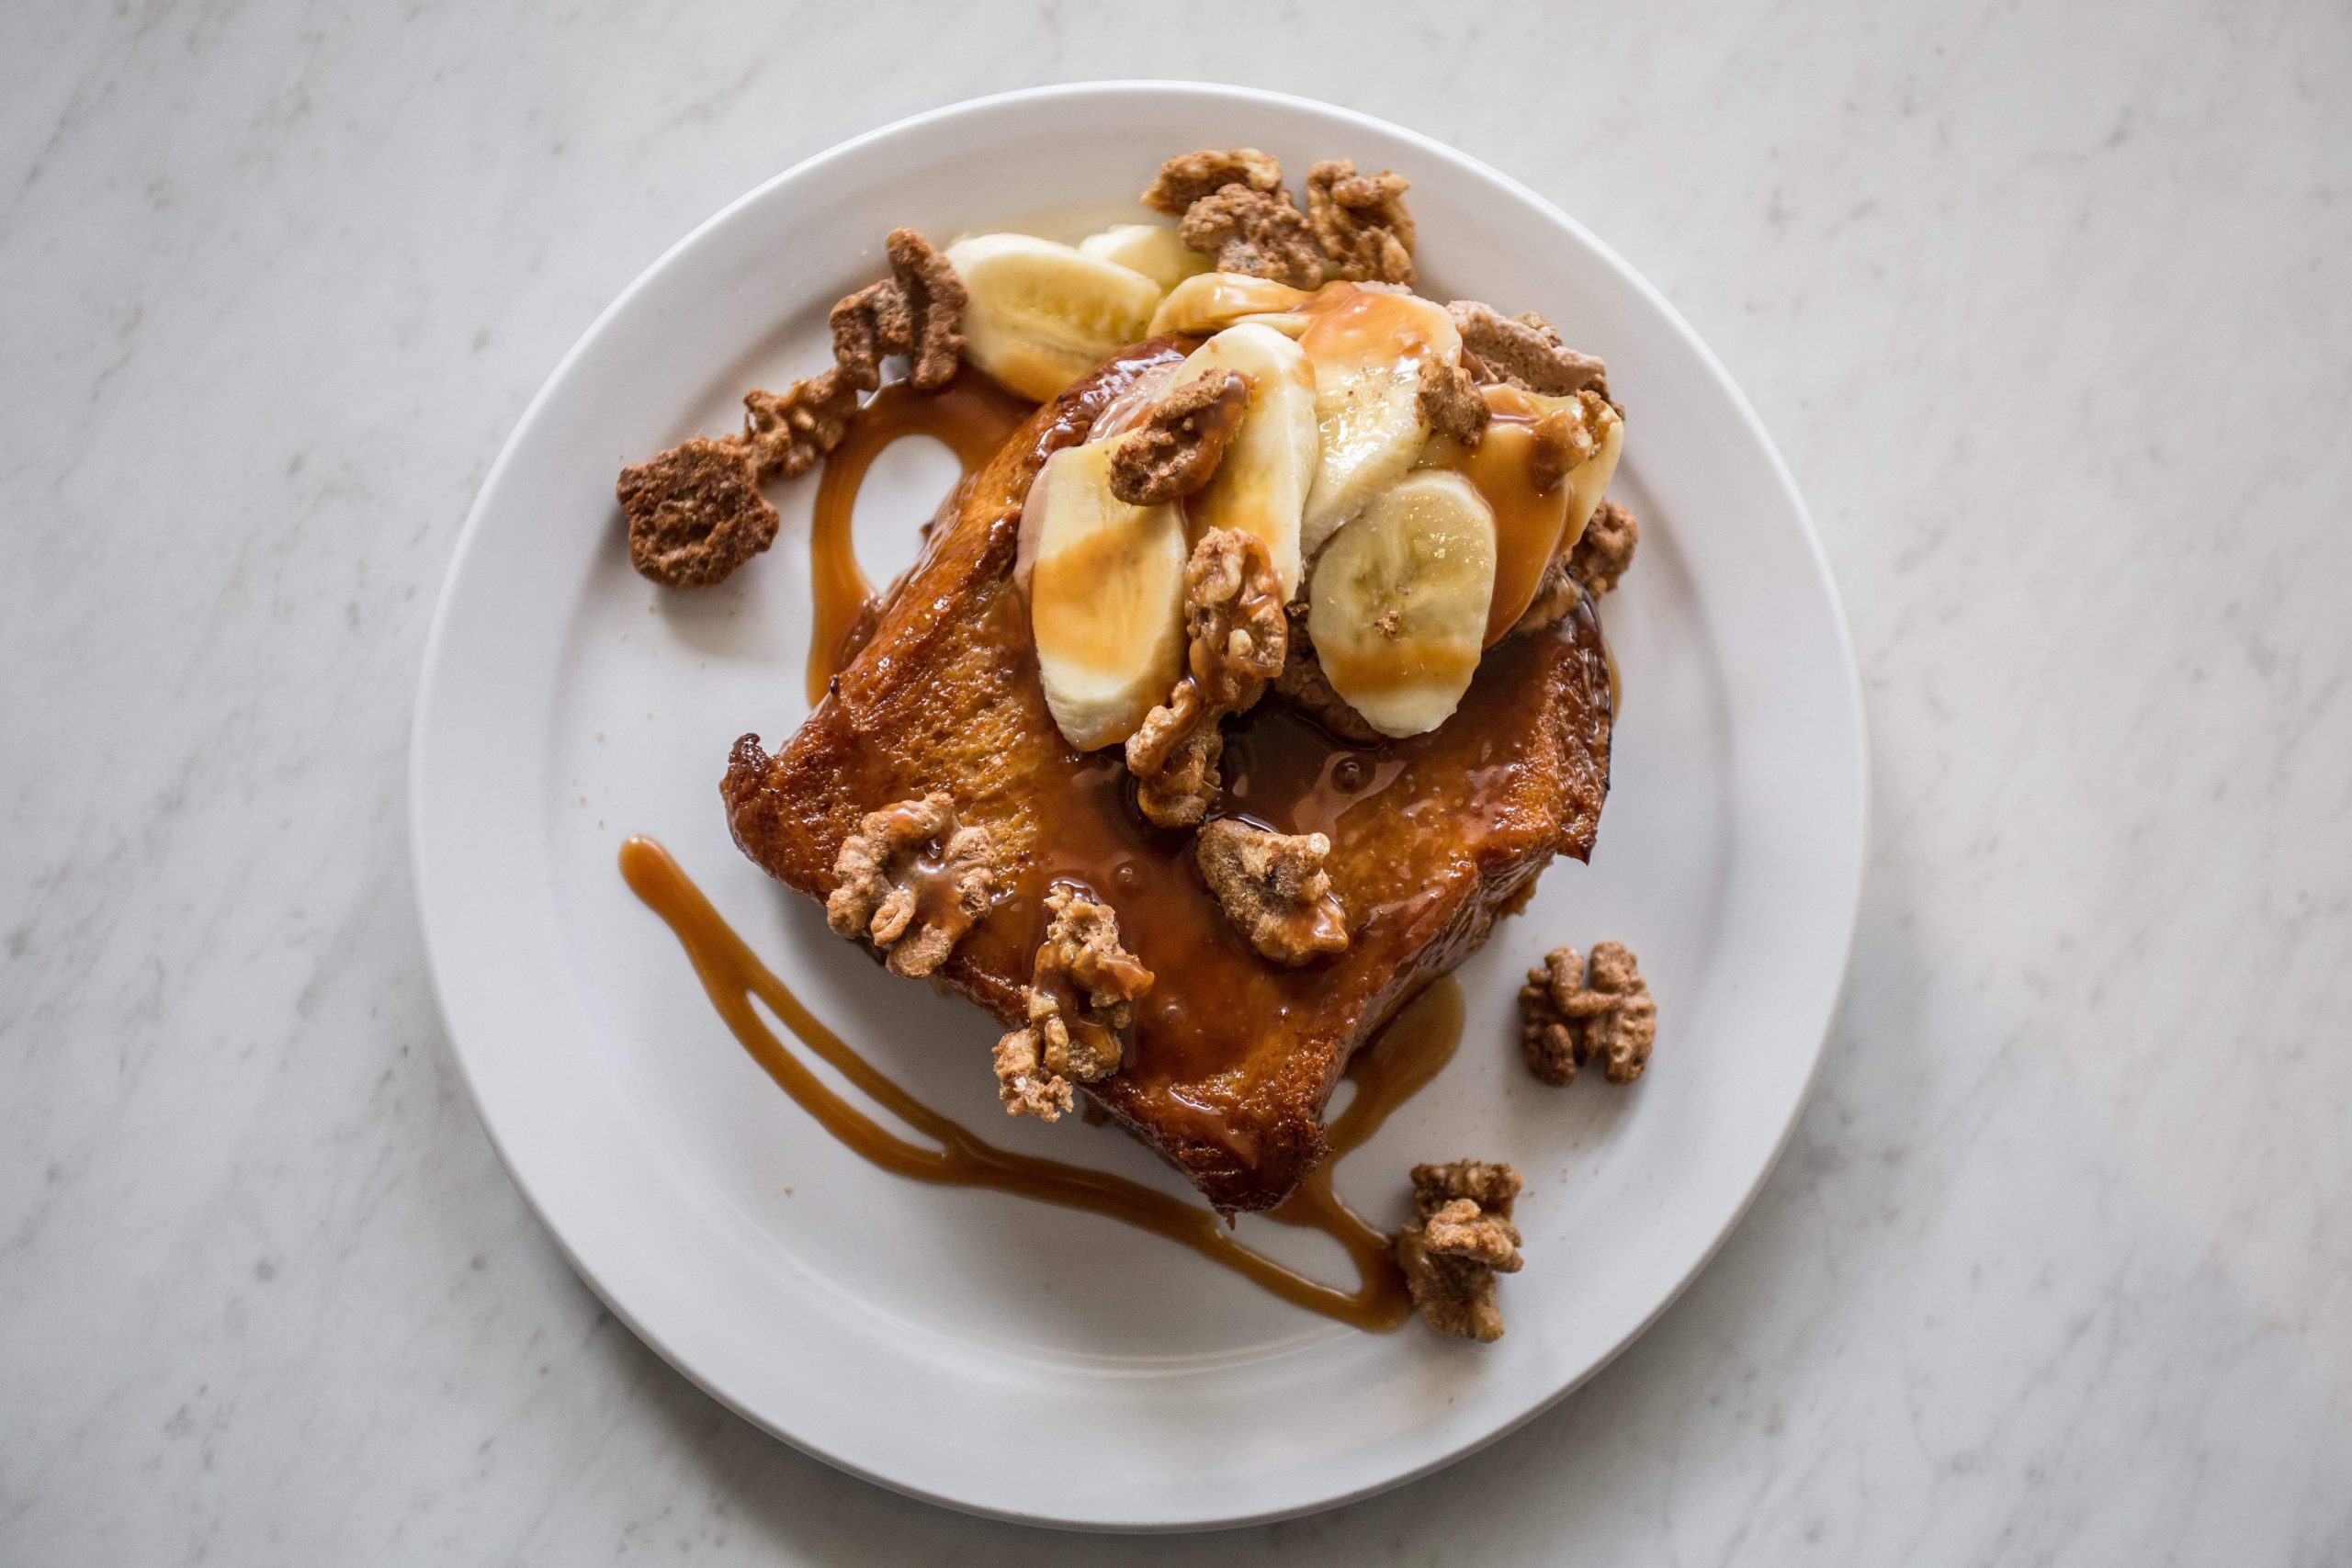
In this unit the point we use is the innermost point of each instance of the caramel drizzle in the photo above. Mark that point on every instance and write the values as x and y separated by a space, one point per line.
972 417
1410 1052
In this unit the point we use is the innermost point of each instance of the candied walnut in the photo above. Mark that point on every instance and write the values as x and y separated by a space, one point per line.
1565 1021
1081 1001
917 311
1274 889
1450 400
1238 640
788 431
1183 439
1604 552
1305 686
1188 177
912 882
1361 222
1460 1237
1264 236
1524 350
695 511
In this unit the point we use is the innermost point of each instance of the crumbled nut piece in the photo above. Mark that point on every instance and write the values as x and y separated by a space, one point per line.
1303 683
1274 889
1565 1023
1177 788
788 431
1080 1001
1256 233
1181 441
1460 1237
1604 552
1524 350
1239 638
695 511
1491 1184
1460 1228
1361 222
914 905
1188 177
917 311
1556 593
1450 400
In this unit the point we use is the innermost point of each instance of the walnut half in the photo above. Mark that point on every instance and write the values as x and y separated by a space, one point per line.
1274 889
1181 441
1460 1237
912 883
1565 1021
1361 222
1081 1001
1238 637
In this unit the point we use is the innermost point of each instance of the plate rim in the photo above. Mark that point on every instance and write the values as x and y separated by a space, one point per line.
1855 713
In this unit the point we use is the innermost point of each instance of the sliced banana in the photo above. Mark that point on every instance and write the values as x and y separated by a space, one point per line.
1106 598
1213 301
1368 349
1605 429
1151 249
1260 486
1398 604
1041 314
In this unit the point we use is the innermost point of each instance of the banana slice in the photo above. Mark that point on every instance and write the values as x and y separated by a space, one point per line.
1041 314
1397 606
1368 348
1260 487
1213 301
1106 598
1605 429
1151 249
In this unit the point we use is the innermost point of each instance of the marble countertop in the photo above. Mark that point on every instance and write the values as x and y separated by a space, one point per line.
2049 313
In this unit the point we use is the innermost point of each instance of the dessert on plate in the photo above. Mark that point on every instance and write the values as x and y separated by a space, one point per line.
1252 673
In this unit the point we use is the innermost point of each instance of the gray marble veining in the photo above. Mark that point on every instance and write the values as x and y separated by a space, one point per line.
2048 307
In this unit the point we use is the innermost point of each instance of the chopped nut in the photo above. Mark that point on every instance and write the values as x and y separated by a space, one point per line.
1080 1001
1524 350
1460 1237
917 311
1361 222
1188 177
788 431
1253 232
1307 689
1274 889
1556 593
695 511
1604 552
1182 440
1239 638
912 905
1450 400
1565 1023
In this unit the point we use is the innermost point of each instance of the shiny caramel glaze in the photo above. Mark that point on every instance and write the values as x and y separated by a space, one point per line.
1530 521
1410 1052
971 416
1232 1059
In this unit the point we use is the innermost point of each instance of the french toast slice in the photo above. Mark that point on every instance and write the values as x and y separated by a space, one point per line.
1233 1058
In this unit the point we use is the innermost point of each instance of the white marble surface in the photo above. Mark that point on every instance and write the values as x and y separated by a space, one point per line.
2050 312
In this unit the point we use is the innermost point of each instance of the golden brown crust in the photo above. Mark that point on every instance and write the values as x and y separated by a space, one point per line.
695 511
1523 351
1187 177
1258 233
1181 441
1274 889
1359 222
1424 865
1565 1020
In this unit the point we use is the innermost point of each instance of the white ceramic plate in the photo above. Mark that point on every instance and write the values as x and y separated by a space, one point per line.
967 1347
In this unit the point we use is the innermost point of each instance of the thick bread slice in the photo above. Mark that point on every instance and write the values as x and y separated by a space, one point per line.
1233 1058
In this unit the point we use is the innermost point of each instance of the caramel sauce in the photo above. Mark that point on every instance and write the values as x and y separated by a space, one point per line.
1529 520
1416 1043
972 416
